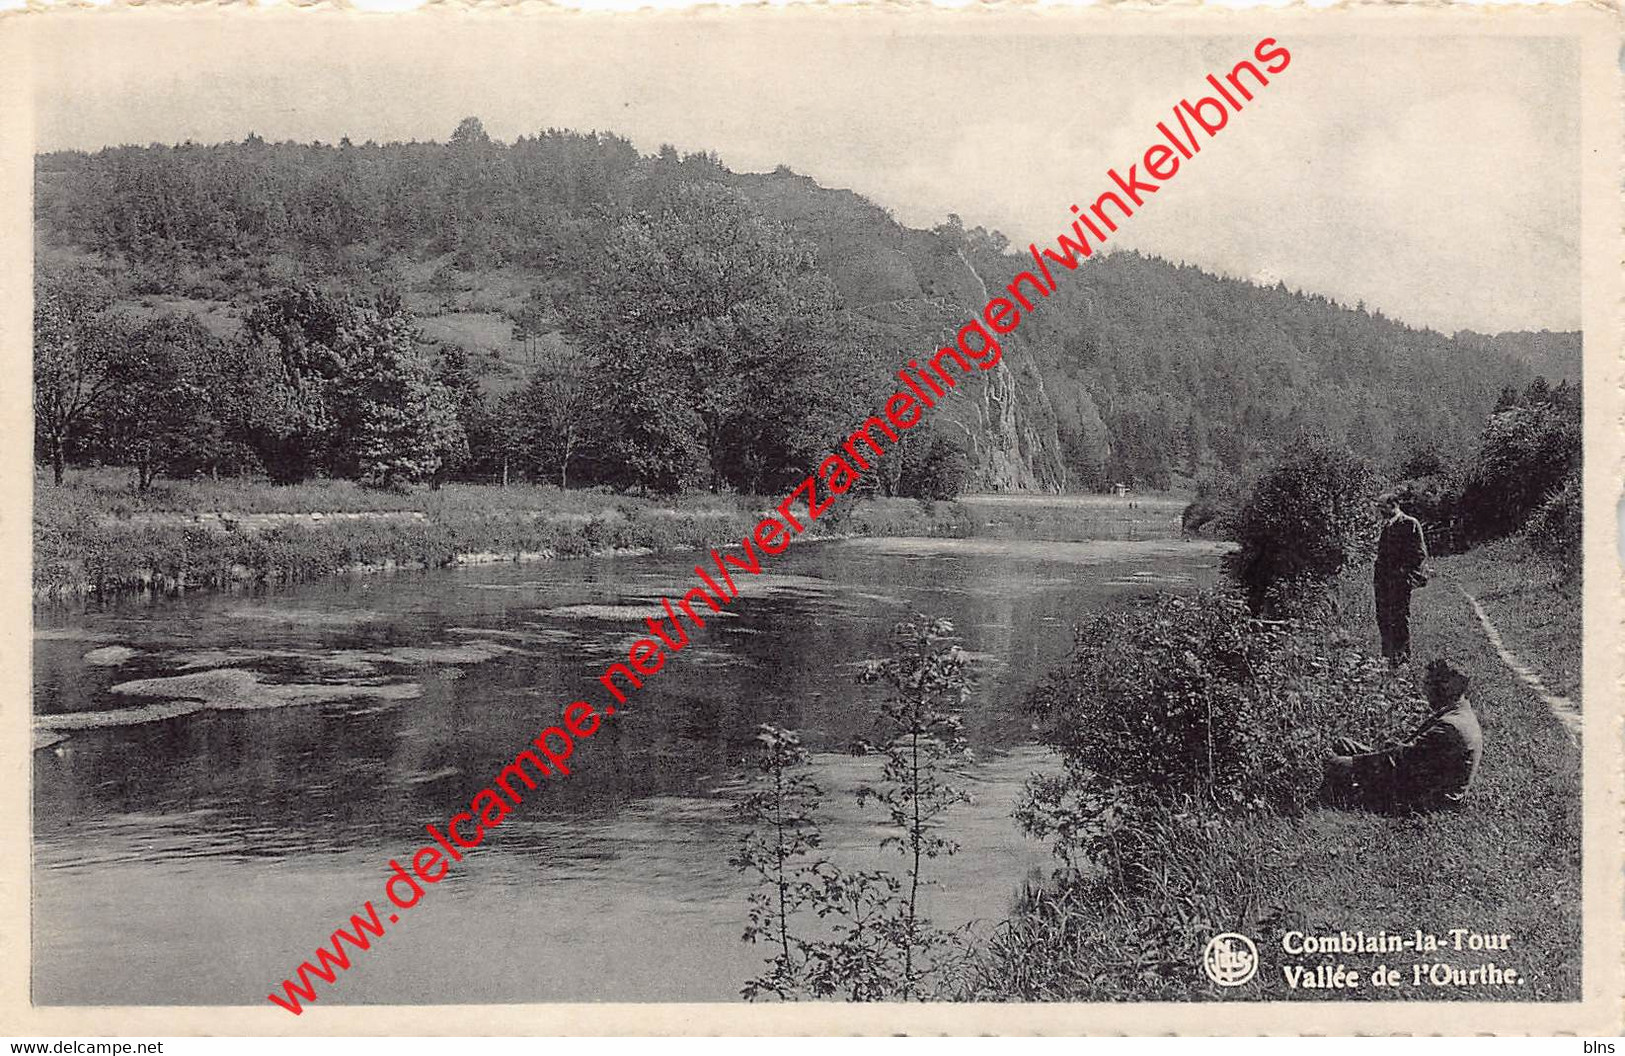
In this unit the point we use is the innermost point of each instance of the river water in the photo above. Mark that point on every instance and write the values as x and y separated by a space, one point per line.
202 828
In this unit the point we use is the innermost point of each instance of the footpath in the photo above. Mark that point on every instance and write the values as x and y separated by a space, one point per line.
1509 861
1563 709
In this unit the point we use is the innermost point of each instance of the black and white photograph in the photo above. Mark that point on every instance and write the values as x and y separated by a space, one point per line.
962 511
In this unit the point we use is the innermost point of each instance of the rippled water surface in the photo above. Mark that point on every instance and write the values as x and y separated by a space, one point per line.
221 779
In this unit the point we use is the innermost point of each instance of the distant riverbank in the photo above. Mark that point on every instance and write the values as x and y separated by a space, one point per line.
95 535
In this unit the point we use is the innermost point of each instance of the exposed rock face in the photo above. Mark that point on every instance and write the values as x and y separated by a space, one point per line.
913 283
1011 450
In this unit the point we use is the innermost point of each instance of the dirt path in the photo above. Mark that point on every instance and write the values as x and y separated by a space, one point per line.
1561 707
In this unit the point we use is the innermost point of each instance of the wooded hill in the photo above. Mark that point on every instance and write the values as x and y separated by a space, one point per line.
1136 370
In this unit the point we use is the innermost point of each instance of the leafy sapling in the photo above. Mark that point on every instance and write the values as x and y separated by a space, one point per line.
927 684
782 833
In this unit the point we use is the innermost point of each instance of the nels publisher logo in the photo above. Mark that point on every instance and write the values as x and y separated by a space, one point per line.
1230 959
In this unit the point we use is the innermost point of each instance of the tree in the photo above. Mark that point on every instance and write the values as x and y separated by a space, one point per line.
347 388
1307 517
1084 440
1526 454
553 413
398 422
76 341
1191 373
938 468
292 359
480 453
157 416
1144 447
533 318
705 320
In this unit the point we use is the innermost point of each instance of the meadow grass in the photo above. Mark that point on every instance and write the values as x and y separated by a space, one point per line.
1508 861
96 534
112 491
1076 518
1532 602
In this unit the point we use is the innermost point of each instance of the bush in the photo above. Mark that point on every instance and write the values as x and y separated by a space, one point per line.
943 471
1185 700
1435 501
874 941
1556 526
1213 509
1308 516
1527 454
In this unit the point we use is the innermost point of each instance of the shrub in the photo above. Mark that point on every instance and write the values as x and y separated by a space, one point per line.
927 683
1185 700
1556 525
876 942
782 833
1214 507
1435 501
1309 515
1527 453
942 471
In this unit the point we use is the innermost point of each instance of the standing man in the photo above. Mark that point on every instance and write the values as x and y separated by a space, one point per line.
1401 549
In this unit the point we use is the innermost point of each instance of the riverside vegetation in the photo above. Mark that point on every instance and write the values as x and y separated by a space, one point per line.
1191 731
563 308
98 535
869 940
254 334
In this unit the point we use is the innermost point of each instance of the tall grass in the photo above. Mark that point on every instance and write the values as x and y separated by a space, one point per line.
1133 926
1533 597
96 534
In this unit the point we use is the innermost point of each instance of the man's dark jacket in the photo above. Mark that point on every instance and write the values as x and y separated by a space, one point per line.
1401 550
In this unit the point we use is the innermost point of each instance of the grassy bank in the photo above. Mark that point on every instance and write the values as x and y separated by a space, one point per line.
1076 518
1507 862
95 534
1530 600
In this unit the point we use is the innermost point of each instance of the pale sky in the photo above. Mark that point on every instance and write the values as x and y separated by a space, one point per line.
1435 179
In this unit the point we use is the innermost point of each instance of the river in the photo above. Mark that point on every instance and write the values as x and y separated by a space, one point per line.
200 831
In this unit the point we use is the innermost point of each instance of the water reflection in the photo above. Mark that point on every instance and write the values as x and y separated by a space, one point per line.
196 856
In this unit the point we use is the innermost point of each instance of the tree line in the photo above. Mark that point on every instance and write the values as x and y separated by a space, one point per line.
726 322
703 350
1309 516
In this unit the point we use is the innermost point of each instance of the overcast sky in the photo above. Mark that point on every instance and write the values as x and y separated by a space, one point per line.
1434 179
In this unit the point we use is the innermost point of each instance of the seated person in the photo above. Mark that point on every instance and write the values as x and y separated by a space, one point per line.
1432 768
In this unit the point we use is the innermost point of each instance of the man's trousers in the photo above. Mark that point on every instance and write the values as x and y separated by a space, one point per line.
1394 618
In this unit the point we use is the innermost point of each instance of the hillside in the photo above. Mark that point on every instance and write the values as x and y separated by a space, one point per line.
1136 370
1556 357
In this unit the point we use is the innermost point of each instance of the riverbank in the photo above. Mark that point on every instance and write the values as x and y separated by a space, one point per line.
94 535
97 535
1508 862
1536 608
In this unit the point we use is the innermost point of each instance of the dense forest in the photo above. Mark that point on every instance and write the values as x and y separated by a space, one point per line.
564 308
